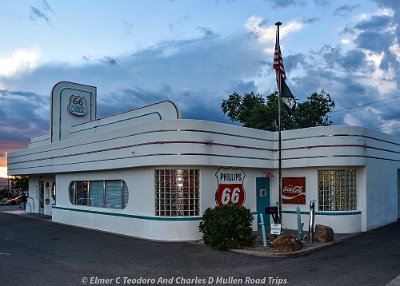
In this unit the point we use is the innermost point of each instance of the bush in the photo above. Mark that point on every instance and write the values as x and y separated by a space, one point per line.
226 227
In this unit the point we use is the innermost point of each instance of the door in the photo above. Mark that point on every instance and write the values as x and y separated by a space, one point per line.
41 196
263 198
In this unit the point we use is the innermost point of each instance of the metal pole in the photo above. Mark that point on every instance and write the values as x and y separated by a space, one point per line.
8 186
311 232
279 132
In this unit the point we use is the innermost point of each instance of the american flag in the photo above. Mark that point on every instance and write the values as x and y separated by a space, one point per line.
278 61
284 91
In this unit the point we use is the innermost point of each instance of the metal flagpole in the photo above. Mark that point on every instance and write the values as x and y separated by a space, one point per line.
279 131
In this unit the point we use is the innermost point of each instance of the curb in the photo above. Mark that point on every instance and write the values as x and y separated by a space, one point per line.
301 252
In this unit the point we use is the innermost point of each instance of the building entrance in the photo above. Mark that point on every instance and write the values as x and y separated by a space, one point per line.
41 197
263 198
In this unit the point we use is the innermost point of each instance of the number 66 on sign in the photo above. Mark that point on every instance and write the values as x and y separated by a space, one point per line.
230 194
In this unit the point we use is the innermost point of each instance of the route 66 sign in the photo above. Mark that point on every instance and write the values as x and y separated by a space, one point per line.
230 187
77 105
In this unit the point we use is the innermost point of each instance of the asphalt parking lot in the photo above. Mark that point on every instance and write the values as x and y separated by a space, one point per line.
36 251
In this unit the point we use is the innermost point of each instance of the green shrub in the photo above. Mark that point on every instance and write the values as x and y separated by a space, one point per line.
228 226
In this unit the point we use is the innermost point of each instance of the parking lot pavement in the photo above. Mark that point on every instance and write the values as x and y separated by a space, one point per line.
36 251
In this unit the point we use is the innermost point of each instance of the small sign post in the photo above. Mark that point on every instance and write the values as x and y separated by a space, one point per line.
276 228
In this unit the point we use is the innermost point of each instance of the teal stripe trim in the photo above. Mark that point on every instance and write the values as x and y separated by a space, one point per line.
118 121
333 213
162 218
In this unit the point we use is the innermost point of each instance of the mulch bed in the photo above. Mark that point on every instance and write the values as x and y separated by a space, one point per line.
259 247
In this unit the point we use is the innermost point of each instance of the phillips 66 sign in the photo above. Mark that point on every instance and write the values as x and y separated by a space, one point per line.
230 188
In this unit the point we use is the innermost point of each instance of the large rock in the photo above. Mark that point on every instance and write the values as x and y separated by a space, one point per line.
286 243
323 233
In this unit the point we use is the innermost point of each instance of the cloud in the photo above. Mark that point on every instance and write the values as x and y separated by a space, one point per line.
128 27
37 14
197 74
109 61
362 76
294 61
242 87
22 115
374 23
345 10
28 113
322 2
282 3
207 32
41 13
311 20
373 41
19 60
256 25
353 60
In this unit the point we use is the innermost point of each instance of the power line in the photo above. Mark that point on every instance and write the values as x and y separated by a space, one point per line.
365 105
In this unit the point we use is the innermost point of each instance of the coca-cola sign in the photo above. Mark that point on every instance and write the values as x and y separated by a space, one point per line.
294 190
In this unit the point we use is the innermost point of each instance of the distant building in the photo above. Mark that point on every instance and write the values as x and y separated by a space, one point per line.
148 173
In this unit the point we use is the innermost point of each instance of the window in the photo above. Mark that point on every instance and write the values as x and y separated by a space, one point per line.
337 190
105 194
177 192
115 197
96 198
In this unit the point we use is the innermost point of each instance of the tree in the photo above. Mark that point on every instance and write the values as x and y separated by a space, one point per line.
253 111
20 183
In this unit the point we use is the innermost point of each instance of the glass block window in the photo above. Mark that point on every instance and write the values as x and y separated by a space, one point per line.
105 194
337 190
177 192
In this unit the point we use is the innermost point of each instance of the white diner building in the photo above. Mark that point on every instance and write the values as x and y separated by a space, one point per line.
148 173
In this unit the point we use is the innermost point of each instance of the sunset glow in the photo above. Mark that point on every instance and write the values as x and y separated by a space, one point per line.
3 172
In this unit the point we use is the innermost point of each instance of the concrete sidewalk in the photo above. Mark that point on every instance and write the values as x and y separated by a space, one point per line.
17 210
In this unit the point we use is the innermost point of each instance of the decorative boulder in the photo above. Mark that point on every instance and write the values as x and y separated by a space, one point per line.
323 233
286 243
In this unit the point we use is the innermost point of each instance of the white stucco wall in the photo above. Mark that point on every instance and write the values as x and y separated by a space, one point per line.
381 198
138 218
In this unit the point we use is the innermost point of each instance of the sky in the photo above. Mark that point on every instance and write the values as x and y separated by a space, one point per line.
196 53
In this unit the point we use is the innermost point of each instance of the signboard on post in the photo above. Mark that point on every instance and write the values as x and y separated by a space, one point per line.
230 188
276 229
294 190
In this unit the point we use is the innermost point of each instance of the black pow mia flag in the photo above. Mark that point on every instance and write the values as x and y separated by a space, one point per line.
287 97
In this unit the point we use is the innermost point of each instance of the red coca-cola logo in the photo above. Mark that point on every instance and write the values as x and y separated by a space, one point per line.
294 190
